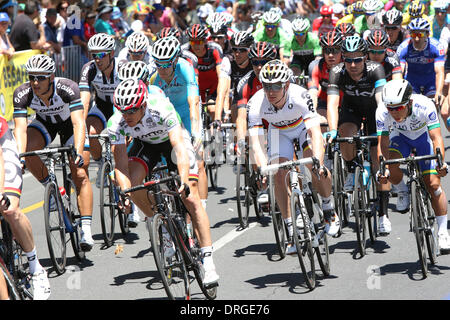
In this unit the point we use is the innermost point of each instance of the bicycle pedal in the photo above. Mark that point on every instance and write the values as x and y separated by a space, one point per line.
211 285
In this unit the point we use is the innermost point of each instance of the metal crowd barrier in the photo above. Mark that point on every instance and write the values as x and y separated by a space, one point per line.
69 62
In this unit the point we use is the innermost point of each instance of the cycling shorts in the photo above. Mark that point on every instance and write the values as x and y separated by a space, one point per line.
101 112
429 87
281 142
12 166
356 116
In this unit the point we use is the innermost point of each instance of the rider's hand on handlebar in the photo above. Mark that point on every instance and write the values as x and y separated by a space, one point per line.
332 134
4 202
442 171
383 179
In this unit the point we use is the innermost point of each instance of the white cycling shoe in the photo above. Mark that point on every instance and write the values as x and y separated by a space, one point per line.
41 285
444 242
211 277
403 202
384 226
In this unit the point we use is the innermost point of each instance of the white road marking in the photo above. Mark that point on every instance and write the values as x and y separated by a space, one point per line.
230 236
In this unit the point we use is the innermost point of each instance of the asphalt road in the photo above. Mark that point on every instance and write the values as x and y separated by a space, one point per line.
246 260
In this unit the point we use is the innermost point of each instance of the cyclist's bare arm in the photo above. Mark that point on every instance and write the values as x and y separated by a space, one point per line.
317 142
222 93
440 75
383 147
256 143
332 111
438 141
182 156
2 171
85 100
20 133
122 174
79 130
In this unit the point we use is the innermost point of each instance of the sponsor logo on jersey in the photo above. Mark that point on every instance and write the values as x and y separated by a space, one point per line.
432 116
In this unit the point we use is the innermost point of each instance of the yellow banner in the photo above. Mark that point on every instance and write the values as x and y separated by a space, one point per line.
13 74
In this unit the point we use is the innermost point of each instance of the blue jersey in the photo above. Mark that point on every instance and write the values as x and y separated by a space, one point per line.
421 64
183 85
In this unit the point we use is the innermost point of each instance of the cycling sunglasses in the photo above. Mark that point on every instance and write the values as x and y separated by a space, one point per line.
271 26
397 108
239 49
129 111
196 42
373 51
163 65
418 34
218 36
391 27
299 34
331 50
355 60
258 62
137 53
273 86
38 78
100 55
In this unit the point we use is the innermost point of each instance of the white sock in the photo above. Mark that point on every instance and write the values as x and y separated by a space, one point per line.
86 225
442 224
401 187
206 252
33 262
288 222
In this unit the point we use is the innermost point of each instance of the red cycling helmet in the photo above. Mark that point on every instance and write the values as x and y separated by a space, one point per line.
326 11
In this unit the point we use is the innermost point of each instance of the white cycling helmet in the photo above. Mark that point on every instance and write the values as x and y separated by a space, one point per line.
372 6
134 69
396 92
271 17
300 25
275 71
215 17
101 42
129 94
166 49
277 10
137 41
40 63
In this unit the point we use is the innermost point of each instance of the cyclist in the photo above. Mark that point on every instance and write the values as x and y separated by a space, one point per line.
416 10
137 48
356 11
101 76
362 82
369 19
440 17
378 42
392 24
409 121
274 34
319 70
58 111
288 111
210 56
176 77
425 57
325 23
345 30
160 133
11 189
305 46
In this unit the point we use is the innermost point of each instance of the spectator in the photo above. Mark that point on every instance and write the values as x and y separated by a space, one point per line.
24 33
21 8
51 30
104 15
153 20
61 8
5 45
192 16
168 16
124 19
44 4
89 29
7 6
74 33
181 17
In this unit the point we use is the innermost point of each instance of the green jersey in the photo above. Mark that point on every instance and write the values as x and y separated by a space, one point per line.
280 40
311 47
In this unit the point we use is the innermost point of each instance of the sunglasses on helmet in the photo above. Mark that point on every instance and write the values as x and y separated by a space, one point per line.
373 51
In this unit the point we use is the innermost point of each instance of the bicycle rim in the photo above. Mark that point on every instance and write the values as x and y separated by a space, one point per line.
418 227
338 186
172 270
55 228
278 223
372 215
431 233
107 205
302 242
199 271
322 251
75 219
123 222
13 292
213 170
360 205
241 198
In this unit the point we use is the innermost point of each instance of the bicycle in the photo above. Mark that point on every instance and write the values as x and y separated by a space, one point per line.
170 219
247 187
364 196
422 216
109 196
12 265
64 217
309 235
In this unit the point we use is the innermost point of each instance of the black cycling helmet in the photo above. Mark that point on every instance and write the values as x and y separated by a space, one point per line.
218 28
331 39
392 17
242 39
378 38
354 44
345 29
197 32
167 32
263 50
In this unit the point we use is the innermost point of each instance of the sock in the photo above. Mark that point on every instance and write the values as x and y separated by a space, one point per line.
33 262
204 203
86 222
206 252
288 222
327 204
442 224
401 187
383 197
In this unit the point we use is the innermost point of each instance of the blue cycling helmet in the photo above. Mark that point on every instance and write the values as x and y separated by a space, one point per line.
354 44
419 24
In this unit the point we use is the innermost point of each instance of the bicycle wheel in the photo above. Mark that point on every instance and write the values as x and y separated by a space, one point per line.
372 215
123 218
416 212
431 231
338 194
199 272
54 227
75 220
13 292
254 193
302 240
107 205
213 170
172 269
360 205
243 197
277 221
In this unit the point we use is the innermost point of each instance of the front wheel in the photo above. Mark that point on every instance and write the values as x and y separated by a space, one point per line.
243 198
417 216
54 227
277 221
107 204
360 204
75 220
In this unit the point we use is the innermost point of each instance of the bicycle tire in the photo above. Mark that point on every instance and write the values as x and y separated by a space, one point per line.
75 220
243 197
360 207
278 223
302 241
417 227
173 272
213 173
13 291
55 229
372 225
107 205
254 193
430 233
199 271
338 187
123 220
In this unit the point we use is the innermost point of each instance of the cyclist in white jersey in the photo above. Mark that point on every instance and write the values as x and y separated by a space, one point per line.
287 111
138 48
101 76
411 121
156 130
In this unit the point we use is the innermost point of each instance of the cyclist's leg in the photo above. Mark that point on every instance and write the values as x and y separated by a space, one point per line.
38 137
3 289
95 123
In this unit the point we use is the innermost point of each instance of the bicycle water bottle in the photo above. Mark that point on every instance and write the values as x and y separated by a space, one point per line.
189 231
366 173
64 196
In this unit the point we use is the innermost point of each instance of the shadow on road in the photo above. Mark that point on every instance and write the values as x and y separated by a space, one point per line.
411 269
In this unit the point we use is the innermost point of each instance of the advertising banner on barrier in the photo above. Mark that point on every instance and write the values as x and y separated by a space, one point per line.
13 74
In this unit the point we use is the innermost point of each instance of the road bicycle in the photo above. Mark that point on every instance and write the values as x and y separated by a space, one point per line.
169 221
210 154
109 196
422 216
61 212
307 218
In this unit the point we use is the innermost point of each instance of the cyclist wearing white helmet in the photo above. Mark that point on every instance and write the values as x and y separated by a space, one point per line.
371 18
156 130
408 121
100 74
392 24
59 111
289 114
137 48
440 17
